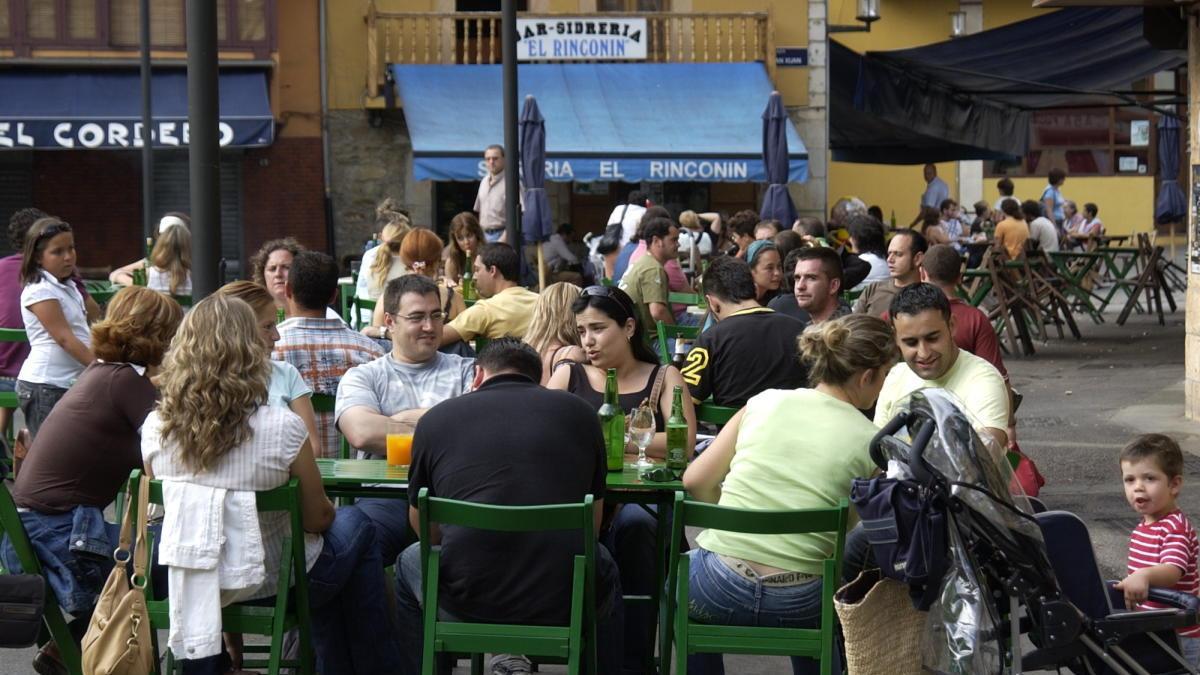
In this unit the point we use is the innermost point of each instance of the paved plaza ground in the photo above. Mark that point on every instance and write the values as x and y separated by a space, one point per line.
1083 401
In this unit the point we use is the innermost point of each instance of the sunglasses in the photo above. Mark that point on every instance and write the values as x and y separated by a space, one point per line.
612 294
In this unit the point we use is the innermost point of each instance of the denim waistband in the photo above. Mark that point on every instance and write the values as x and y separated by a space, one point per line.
745 570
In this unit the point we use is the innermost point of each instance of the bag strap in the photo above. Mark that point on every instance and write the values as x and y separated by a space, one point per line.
126 537
656 390
142 545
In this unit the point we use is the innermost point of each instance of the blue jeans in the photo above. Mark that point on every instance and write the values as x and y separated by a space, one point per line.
609 613
1189 649
493 235
352 629
36 401
393 533
631 541
719 595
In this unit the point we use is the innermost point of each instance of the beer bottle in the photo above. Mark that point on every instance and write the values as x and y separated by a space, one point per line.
280 315
612 421
892 221
468 281
677 434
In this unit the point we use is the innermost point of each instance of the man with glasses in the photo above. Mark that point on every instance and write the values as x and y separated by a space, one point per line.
399 386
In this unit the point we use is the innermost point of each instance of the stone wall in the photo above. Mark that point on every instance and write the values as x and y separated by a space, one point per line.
370 162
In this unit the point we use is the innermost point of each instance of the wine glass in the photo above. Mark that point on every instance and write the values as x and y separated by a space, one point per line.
641 432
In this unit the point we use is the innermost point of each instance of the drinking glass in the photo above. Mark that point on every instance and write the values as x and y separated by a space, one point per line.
399 444
641 432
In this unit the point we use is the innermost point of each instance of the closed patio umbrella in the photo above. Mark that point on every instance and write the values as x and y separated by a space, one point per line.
1172 204
777 202
535 220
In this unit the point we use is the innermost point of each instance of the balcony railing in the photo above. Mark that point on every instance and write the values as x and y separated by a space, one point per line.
475 37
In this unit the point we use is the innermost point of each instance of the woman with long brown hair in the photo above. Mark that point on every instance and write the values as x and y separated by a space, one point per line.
169 267
421 253
466 236
214 428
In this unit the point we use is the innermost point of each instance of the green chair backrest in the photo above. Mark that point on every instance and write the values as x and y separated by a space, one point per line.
576 643
183 300
683 298
692 638
326 403
714 414
291 609
361 305
52 614
346 301
668 331
13 335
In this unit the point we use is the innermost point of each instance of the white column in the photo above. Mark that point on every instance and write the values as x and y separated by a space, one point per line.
812 121
1192 340
970 173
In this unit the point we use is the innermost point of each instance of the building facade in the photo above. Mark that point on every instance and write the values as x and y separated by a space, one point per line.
71 136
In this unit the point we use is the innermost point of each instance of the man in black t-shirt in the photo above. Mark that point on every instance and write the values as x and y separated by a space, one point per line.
469 449
750 349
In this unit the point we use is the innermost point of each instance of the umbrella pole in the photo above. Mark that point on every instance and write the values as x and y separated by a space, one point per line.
541 268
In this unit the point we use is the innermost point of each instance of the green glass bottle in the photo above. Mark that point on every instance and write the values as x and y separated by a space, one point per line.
677 434
280 315
892 220
468 281
612 422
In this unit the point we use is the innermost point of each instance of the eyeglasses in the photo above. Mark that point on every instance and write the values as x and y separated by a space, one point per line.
420 319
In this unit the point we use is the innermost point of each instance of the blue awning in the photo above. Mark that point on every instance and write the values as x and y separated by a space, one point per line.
604 121
101 109
969 98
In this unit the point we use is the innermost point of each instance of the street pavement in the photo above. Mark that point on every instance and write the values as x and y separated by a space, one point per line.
1083 401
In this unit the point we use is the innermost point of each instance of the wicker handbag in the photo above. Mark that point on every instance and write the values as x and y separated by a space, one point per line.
882 630
117 641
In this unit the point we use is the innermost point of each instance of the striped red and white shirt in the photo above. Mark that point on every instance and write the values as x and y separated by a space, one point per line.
1167 541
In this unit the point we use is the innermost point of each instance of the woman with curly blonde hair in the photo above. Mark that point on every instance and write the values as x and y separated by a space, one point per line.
382 263
87 446
552 331
286 388
214 428
421 253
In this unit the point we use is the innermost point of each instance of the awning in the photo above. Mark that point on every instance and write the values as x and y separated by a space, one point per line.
970 98
604 121
101 109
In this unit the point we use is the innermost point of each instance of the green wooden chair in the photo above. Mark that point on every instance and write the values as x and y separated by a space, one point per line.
290 610
325 403
693 638
361 305
574 643
53 618
714 414
8 399
683 298
183 300
346 301
670 331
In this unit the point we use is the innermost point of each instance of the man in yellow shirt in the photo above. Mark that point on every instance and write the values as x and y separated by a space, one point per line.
506 307
1013 231
920 316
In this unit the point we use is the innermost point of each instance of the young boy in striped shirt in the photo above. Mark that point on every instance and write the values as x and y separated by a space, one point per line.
1163 547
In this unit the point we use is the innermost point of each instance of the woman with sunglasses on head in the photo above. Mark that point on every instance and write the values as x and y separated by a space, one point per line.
421 253
382 263
54 310
612 336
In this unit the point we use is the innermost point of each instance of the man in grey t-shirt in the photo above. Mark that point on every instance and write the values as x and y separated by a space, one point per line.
399 386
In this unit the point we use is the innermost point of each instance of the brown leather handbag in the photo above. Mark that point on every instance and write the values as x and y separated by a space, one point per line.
117 641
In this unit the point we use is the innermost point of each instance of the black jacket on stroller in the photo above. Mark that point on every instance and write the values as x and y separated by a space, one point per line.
946 521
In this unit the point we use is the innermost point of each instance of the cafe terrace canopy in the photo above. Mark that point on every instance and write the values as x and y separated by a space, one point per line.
101 109
604 121
971 97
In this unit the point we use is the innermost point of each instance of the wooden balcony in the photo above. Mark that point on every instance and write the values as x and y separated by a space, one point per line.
475 38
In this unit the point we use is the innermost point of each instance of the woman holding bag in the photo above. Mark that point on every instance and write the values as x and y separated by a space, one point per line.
787 449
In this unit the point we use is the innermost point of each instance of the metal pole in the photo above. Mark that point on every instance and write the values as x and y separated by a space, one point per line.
204 151
512 156
147 125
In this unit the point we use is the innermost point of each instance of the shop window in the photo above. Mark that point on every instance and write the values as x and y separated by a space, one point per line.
238 22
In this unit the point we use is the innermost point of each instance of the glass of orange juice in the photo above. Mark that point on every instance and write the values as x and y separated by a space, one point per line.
399 444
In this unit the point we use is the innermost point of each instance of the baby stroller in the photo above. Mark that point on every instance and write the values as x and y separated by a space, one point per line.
982 564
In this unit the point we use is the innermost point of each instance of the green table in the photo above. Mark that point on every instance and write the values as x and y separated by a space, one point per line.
1077 275
982 286
1119 261
375 478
